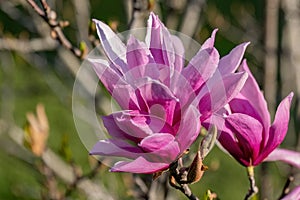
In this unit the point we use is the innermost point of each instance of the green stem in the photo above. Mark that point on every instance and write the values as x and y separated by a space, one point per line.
253 189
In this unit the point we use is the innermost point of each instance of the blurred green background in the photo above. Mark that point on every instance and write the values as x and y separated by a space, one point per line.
31 76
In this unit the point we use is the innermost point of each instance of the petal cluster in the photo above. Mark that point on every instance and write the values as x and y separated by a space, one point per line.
246 131
162 102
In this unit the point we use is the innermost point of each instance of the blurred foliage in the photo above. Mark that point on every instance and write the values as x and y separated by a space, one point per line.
28 80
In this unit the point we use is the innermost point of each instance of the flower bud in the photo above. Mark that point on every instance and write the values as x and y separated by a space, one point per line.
37 131
196 170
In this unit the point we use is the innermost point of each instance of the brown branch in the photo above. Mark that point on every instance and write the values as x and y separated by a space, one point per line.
286 188
26 46
56 26
176 177
37 8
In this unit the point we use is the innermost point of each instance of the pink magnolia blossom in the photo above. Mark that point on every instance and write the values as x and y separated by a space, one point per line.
246 130
162 101
285 155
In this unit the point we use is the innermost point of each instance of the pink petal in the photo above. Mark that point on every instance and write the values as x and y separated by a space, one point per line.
279 128
253 94
189 128
160 147
112 45
288 156
116 147
179 53
126 97
230 63
209 43
242 105
218 92
293 195
201 67
158 97
159 41
248 132
106 74
227 138
134 126
120 90
156 141
139 165
137 54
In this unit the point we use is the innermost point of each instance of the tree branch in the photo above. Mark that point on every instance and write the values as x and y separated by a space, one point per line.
56 26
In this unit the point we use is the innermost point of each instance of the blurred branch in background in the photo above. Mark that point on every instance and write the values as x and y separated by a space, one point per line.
290 70
270 79
56 26
51 163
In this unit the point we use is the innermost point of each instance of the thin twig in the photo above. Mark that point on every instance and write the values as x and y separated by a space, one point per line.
286 187
37 8
176 176
50 18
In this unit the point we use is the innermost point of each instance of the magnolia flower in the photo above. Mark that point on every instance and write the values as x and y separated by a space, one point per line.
246 132
162 101
288 156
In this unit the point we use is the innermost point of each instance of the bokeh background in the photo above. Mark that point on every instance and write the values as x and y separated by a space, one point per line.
35 68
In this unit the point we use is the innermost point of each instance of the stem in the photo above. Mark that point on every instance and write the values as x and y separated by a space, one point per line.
184 188
175 178
253 189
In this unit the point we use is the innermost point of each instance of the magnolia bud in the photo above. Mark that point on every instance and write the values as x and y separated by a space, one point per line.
37 131
208 142
196 170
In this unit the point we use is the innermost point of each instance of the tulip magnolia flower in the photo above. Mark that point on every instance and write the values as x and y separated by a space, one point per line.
162 101
246 132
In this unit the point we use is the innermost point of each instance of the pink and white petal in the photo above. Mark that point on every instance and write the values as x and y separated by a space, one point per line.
106 74
210 42
218 92
227 140
241 105
288 156
230 63
201 67
248 132
189 128
279 128
125 95
229 143
156 141
254 95
166 154
116 147
134 126
119 127
179 53
139 165
158 39
160 147
160 100
137 54
112 45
